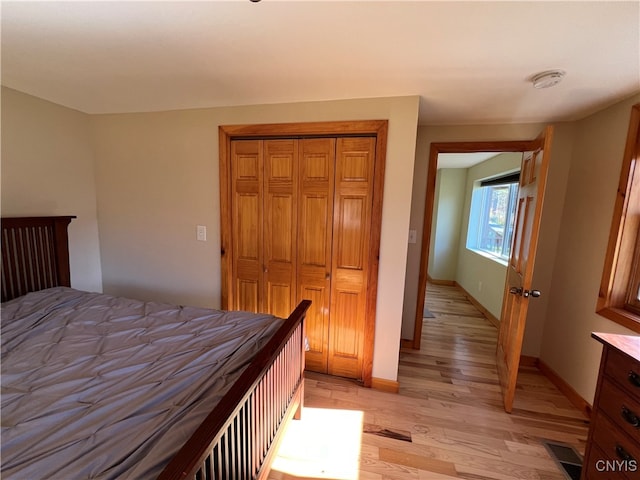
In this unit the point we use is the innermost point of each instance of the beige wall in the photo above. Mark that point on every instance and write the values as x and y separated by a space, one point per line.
567 346
47 169
157 178
447 223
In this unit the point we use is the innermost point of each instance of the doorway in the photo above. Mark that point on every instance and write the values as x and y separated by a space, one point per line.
435 151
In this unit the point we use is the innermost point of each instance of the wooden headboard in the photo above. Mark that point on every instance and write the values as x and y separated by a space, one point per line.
35 254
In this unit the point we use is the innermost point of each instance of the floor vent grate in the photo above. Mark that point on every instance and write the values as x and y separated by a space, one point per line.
566 457
426 313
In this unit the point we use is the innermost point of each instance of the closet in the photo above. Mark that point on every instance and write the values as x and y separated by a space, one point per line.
303 222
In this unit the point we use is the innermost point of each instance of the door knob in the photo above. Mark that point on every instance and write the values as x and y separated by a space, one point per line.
525 293
327 276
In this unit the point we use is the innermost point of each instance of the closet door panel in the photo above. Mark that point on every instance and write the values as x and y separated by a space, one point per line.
347 309
315 224
355 159
246 227
278 297
352 227
316 324
247 294
280 203
280 219
314 279
315 232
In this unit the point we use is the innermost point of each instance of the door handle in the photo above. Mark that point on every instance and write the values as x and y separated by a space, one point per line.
525 293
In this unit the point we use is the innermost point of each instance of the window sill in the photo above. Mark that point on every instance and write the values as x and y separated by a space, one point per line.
621 316
484 254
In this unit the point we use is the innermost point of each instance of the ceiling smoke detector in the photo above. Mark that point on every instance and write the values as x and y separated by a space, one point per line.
547 79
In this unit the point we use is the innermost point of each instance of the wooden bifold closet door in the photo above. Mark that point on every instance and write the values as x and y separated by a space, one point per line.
315 228
301 227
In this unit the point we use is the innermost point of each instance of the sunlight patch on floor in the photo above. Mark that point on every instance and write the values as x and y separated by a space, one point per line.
325 443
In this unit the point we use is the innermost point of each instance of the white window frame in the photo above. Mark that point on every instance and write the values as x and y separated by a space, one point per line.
480 210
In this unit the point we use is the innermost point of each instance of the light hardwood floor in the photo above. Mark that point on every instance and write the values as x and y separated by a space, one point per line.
447 420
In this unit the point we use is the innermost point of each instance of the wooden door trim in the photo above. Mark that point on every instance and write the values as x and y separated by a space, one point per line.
377 128
324 129
374 254
432 169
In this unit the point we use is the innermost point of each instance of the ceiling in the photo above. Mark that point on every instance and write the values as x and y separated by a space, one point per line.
463 160
469 62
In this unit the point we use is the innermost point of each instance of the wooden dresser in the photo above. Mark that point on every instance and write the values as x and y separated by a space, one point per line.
613 446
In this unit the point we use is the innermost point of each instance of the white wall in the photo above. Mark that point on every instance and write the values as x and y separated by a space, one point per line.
47 169
158 177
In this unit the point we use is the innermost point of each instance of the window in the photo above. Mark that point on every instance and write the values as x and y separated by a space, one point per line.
492 217
619 298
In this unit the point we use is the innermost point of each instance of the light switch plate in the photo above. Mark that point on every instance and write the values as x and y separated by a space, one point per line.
201 233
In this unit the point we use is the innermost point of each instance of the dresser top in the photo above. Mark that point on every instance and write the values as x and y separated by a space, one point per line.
629 344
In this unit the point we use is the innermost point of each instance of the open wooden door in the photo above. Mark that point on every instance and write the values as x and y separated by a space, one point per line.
518 288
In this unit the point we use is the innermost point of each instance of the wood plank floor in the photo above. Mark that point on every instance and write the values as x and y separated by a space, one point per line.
447 420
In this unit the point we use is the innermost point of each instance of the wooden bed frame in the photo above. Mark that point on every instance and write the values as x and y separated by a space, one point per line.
239 438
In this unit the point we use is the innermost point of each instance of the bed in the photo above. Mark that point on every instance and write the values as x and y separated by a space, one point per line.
183 404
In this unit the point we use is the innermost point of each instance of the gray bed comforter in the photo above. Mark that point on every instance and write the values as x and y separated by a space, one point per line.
95 386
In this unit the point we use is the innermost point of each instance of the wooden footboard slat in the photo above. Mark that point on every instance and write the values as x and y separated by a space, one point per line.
239 436
255 431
